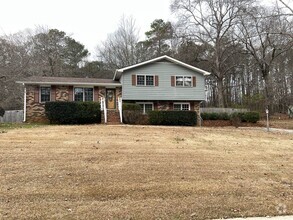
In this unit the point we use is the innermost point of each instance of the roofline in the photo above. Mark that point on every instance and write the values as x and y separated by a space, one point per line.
205 73
68 83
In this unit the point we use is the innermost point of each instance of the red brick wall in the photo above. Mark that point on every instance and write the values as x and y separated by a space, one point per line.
35 111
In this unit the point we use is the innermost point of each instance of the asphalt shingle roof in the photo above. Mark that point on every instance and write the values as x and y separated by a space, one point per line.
66 80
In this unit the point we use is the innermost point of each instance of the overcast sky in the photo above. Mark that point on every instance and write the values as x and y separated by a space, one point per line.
87 21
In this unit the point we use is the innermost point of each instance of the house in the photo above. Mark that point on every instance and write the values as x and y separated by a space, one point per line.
162 83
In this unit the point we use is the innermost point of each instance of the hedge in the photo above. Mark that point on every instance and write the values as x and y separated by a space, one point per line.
73 112
215 116
2 112
186 118
251 117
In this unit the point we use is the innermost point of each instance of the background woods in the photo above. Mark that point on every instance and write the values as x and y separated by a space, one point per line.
247 46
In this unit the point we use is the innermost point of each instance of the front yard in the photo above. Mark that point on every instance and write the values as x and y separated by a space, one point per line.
144 172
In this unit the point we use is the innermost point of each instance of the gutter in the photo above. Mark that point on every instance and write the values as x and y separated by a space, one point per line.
117 71
69 83
203 72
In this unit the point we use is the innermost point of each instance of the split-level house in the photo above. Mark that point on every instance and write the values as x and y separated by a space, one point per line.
162 83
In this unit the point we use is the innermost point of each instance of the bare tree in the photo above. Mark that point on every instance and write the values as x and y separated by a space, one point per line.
119 49
212 22
39 52
287 6
266 35
14 62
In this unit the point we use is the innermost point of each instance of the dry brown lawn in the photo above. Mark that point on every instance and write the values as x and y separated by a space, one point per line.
277 121
144 172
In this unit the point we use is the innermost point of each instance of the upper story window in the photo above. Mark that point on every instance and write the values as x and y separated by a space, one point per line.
183 81
83 94
45 94
145 80
181 106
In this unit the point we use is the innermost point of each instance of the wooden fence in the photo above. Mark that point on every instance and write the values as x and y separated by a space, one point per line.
222 110
12 116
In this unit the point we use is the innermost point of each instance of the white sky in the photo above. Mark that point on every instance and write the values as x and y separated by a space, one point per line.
87 21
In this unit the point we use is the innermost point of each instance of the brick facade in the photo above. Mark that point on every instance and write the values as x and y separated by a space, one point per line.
168 106
35 110
62 93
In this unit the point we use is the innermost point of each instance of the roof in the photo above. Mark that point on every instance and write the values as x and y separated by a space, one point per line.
118 72
41 80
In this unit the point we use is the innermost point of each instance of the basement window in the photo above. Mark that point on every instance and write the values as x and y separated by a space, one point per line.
146 107
181 106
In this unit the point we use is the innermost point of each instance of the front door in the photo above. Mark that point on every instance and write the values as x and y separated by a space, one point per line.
111 98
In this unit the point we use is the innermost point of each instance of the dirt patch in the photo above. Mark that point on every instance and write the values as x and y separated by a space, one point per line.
279 123
144 172
216 123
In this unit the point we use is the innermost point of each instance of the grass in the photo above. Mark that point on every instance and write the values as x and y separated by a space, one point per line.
144 172
280 121
8 126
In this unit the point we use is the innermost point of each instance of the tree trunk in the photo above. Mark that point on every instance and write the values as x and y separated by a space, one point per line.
221 102
267 92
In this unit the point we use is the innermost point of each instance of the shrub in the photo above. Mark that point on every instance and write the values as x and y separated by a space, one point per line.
224 116
215 116
2 111
251 117
131 106
235 119
187 118
132 116
73 112
204 116
132 113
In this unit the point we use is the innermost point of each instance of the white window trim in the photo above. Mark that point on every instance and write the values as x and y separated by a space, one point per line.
145 75
182 103
40 92
144 106
191 84
83 96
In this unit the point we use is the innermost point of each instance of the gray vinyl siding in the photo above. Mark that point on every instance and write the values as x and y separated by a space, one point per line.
164 91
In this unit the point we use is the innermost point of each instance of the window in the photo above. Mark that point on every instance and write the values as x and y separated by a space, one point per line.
45 94
146 107
145 80
88 94
181 106
140 80
183 81
149 80
83 94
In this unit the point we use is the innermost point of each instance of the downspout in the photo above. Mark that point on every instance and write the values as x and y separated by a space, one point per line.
24 104
120 110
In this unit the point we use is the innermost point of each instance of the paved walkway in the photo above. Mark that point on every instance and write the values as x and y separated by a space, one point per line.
281 130
287 217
